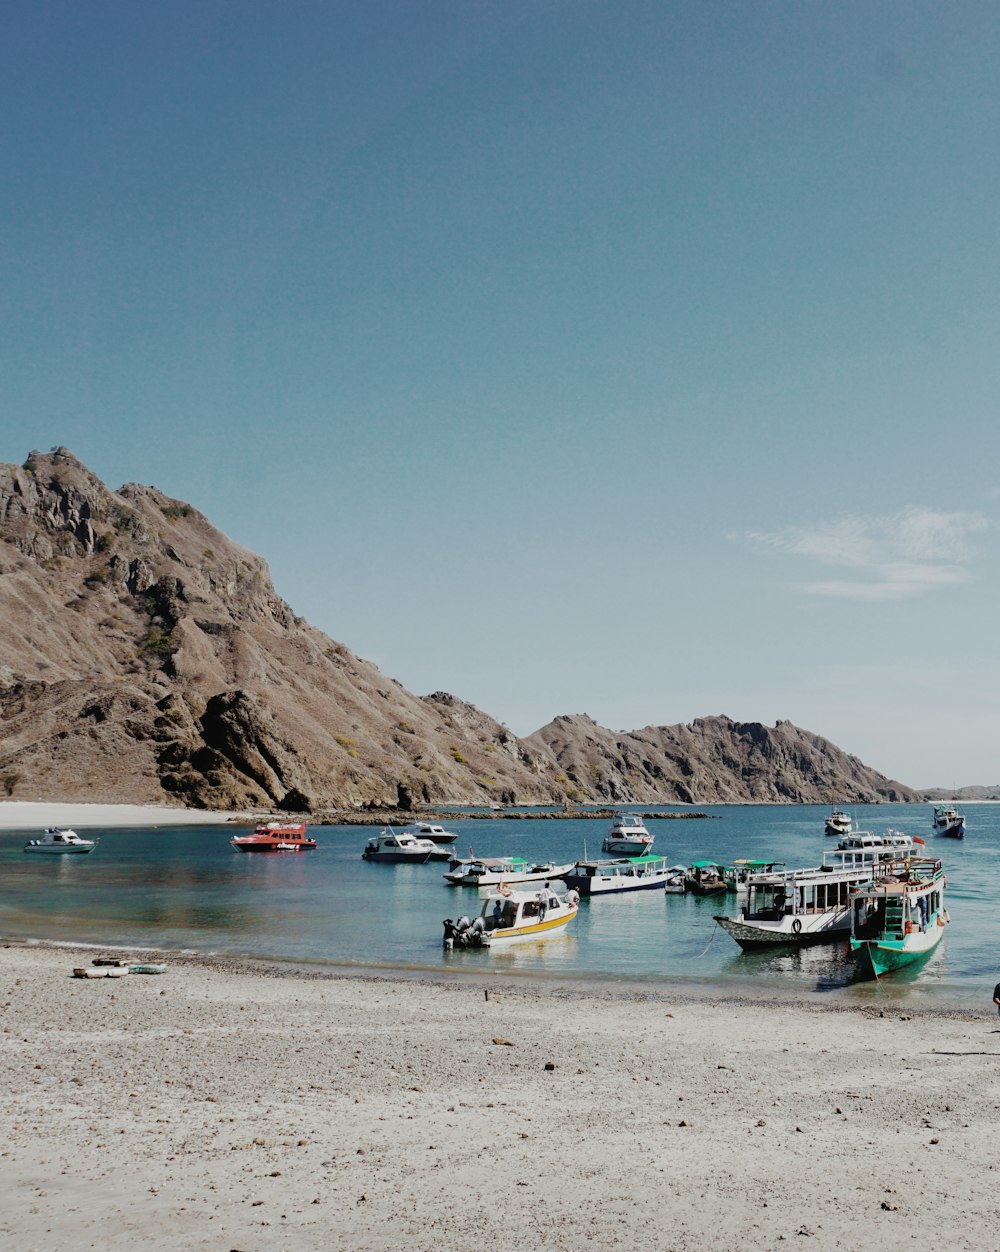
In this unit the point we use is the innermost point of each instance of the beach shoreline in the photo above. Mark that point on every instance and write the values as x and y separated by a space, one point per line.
234 1104
38 814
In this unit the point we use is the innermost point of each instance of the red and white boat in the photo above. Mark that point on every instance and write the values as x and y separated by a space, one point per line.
275 837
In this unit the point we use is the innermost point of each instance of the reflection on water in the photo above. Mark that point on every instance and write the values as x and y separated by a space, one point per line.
187 888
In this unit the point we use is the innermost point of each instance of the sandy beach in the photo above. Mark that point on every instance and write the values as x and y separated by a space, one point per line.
30 815
224 1105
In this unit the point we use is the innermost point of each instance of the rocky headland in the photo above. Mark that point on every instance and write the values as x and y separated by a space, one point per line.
146 658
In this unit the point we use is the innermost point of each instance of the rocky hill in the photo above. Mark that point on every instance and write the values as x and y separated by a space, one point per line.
146 657
714 760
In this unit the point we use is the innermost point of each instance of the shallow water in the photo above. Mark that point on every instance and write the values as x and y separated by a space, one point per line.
186 888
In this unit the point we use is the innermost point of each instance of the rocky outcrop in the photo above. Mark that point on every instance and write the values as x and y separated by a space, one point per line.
712 760
146 657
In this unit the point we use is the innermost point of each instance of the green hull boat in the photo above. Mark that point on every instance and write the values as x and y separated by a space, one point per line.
898 918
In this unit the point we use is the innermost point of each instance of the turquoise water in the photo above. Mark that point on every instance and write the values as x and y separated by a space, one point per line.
187 889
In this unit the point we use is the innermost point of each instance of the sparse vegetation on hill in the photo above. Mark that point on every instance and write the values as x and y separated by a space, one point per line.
144 656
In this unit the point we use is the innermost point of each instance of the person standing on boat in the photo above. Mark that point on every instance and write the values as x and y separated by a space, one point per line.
543 902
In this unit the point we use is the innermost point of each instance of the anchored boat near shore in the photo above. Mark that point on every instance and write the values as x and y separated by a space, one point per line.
275 837
898 918
508 917
812 905
57 840
630 873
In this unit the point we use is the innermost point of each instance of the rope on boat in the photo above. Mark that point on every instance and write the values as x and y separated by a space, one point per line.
711 937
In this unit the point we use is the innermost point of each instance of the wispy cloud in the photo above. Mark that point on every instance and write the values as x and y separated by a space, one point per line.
890 557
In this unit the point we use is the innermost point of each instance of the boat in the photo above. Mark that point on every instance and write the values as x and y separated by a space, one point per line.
812 905
631 873
883 847
675 884
627 836
399 847
838 823
509 916
737 874
275 837
899 917
436 834
491 871
705 878
58 840
949 822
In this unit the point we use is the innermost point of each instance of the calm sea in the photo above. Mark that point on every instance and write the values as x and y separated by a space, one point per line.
187 889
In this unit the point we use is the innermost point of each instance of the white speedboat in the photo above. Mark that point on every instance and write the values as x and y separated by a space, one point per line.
398 847
627 836
630 873
508 917
838 823
436 834
949 822
56 840
492 871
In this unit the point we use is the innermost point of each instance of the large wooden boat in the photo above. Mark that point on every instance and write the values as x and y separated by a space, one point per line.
812 905
275 837
898 918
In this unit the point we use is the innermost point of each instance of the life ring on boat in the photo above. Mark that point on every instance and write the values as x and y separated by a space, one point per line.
796 927
505 891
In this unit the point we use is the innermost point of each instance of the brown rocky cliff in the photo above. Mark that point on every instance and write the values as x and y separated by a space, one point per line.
712 760
144 655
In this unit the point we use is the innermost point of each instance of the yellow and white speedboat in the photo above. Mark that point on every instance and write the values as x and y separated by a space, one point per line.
508 916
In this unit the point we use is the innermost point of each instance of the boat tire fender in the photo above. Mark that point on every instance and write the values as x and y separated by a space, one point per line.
796 927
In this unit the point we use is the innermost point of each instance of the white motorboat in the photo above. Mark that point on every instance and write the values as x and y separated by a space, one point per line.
57 840
627 836
949 822
436 834
631 873
399 847
508 917
838 823
492 871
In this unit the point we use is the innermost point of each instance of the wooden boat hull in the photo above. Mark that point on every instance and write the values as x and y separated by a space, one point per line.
877 957
819 928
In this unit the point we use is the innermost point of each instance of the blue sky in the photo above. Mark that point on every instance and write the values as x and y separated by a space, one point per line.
636 359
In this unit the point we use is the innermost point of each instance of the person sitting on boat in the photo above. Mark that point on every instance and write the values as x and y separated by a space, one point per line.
572 897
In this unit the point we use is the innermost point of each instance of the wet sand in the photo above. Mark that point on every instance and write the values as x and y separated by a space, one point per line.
239 1106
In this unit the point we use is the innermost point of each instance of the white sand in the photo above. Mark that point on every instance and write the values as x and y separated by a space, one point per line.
223 1107
23 814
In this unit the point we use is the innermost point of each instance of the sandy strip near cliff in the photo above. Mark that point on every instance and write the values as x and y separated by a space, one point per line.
29 815
221 1106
